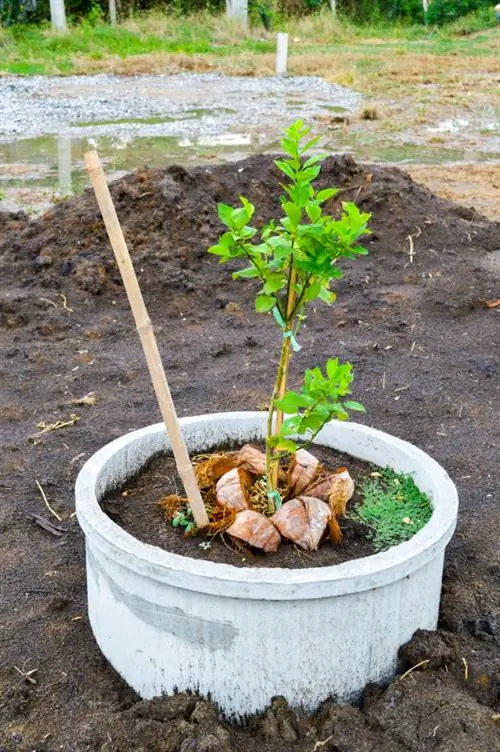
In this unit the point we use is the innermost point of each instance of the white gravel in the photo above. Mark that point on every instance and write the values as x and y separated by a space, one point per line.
181 105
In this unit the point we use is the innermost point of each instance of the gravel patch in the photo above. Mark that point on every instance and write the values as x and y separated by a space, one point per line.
186 104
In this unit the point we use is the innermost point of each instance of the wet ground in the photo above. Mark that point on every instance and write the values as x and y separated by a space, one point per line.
421 330
48 123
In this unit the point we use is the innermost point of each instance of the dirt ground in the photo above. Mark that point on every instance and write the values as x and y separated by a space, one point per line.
468 184
423 340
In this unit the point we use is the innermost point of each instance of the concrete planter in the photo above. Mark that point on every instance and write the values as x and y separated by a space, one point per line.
168 622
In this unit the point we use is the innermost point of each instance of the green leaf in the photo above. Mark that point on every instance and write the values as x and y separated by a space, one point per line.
286 445
315 159
325 194
264 303
249 273
309 174
291 425
274 282
249 207
239 218
225 214
293 401
332 366
313 423
219 250
247 232
293 212
357 406
327 296
290 146
313 212
286 168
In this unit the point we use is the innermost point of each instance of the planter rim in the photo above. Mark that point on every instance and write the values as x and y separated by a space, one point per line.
265 583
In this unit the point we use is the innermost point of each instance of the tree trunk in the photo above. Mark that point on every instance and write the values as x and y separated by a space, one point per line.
58 15
238 10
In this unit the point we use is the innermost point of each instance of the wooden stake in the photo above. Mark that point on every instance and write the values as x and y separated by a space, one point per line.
146 334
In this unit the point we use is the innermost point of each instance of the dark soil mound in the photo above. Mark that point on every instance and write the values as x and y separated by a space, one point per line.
423 343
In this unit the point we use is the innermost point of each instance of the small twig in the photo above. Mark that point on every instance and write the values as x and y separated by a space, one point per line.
52 511
46 300
412 248
47 427
27 675
47 525
383 381
413 668
359 186
65 302
466 669
320 745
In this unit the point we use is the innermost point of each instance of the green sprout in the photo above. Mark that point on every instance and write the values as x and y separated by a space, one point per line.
184 518
294 262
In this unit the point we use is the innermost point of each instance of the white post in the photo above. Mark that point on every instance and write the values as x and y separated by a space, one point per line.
64 164
425 3
112 12
58 15
281 54
333 6
238 10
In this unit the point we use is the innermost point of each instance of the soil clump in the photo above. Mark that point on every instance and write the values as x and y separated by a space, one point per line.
411 317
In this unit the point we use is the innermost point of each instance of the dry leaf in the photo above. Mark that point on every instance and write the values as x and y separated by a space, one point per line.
86 401
335 531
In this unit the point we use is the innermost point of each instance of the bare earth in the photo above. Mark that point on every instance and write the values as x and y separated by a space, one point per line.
422 333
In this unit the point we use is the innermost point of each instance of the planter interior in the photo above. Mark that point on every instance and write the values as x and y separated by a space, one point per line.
168 622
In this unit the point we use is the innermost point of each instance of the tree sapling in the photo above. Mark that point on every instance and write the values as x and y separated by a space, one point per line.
295 261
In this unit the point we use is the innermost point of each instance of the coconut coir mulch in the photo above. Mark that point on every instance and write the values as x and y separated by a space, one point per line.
422 341
137 507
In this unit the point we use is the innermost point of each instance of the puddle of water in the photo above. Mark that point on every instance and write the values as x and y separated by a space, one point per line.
371 149
40 169
196 113
56 163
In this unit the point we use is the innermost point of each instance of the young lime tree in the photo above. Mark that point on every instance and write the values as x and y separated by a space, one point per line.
294 261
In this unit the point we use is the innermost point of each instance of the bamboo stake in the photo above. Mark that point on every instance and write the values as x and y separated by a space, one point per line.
146 334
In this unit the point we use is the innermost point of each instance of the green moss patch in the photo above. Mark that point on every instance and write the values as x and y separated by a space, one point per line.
393 507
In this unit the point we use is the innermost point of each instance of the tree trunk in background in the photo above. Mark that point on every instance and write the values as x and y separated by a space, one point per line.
238 10
333 7
425 3
58 15
112 12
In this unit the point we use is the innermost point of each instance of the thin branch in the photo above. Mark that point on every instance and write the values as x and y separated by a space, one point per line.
52 511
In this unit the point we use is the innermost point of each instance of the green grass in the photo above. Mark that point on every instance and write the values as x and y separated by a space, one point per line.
393 508
26 50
